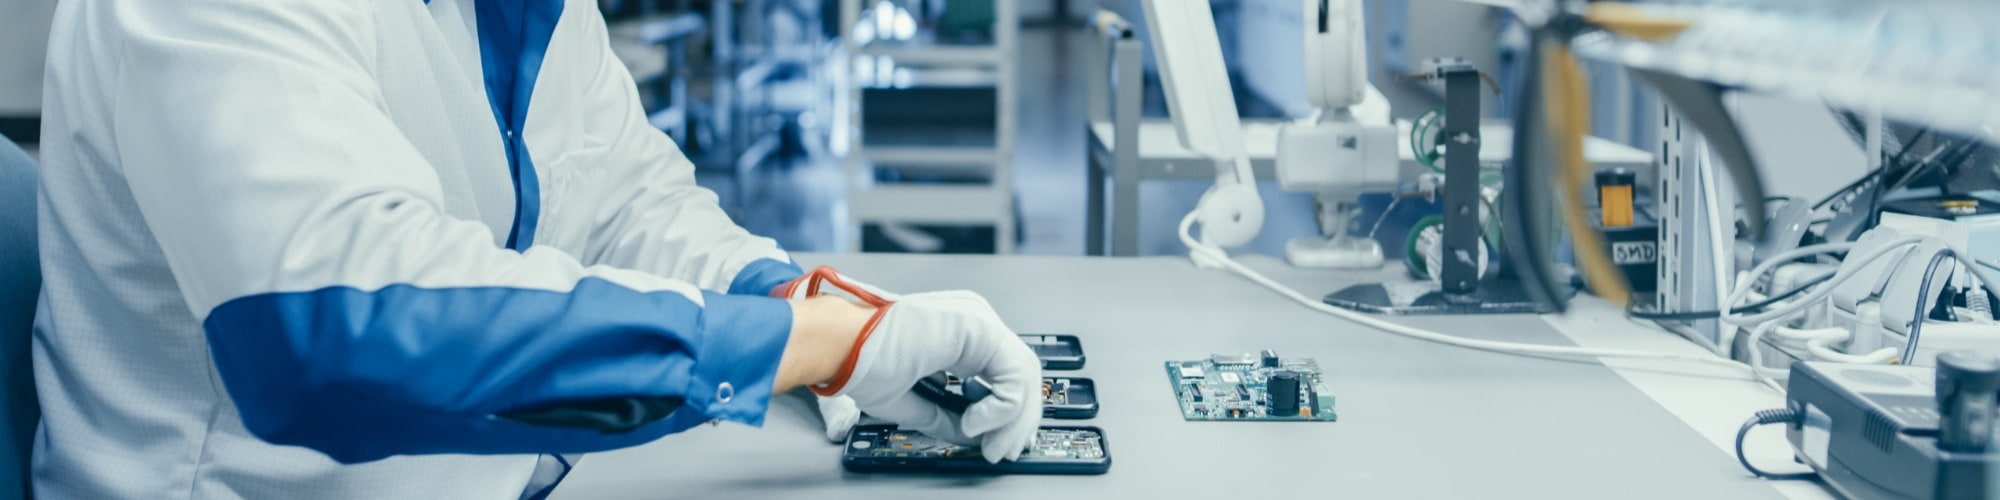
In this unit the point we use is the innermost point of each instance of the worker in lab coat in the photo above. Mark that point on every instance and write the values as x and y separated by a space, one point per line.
419 249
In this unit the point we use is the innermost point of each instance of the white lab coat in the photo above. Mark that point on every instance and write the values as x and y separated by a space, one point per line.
295 221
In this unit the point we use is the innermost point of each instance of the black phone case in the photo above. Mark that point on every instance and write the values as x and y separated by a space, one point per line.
864 464
1082 402
1058 351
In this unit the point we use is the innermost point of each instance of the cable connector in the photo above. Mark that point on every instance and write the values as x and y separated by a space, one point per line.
1767 417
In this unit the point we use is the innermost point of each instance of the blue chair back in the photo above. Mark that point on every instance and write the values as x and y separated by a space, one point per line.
20 284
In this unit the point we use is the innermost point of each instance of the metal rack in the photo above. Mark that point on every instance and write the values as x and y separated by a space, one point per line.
1922 62
726 81
1936 63
915 60
664 80
776 88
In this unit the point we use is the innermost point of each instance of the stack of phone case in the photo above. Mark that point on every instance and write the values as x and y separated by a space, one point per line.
1056 450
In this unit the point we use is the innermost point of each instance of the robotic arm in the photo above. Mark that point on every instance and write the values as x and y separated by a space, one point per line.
1204 114
1348 147
1336 53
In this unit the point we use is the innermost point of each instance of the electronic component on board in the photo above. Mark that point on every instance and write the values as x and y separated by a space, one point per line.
1283 388
1251 387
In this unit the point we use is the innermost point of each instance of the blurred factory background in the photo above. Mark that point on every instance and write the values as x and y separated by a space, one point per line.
960 126
967 125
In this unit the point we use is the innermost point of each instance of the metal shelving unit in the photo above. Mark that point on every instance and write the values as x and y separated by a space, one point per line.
1934 63
912 60
1930 62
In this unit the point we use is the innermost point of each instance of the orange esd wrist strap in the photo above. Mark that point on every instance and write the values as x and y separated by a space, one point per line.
813 280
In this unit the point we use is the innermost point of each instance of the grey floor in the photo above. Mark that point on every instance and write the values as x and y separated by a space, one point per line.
798 202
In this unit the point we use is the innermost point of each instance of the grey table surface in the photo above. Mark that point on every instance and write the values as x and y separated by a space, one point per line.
1417 419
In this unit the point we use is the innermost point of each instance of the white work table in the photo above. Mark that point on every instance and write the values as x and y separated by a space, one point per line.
1417 419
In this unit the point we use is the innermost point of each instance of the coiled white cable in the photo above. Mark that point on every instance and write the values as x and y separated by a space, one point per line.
1756 355
1212 257
1772 318
1819 341
1808 333
1823 348
1817 294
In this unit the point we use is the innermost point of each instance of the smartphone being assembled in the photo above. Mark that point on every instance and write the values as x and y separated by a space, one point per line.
1070 398
1056 450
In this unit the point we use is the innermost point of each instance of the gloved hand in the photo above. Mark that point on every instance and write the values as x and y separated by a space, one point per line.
838 412
958 332
918 335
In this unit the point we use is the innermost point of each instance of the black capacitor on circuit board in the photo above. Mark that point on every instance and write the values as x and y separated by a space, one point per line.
1284 389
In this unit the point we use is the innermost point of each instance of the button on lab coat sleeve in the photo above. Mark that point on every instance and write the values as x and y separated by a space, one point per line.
643 210
344 311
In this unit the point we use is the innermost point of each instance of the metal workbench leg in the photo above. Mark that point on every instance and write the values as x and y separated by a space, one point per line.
1124 210
1093 197
1125 145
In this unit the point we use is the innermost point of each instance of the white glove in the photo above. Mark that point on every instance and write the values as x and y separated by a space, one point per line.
956 332
839 412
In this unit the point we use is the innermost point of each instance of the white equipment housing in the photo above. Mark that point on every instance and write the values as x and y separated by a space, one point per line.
1204 114
1877 304
1336 65
1348 146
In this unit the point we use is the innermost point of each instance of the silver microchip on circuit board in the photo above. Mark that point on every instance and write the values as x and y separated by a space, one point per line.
1233 359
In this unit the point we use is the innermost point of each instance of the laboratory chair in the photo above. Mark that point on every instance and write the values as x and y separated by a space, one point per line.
20 283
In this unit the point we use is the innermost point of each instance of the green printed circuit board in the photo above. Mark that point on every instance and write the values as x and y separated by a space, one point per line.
1251 387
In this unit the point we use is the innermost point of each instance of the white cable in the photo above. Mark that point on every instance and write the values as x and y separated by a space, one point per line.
1819 342
1209 256
1755 350
1822 347
1975 299
1985 278
1748 279
1720 261
1822 290
1817 294
1775 316
1808 333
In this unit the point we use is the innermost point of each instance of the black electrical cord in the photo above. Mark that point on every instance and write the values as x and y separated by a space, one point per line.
1850 187
1873 216
1897 162
1942 159
1964 152
1902 157
1524 203
1923 306
1765 417
1746 308
1947 160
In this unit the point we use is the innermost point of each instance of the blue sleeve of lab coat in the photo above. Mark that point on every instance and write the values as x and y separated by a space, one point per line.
362 375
